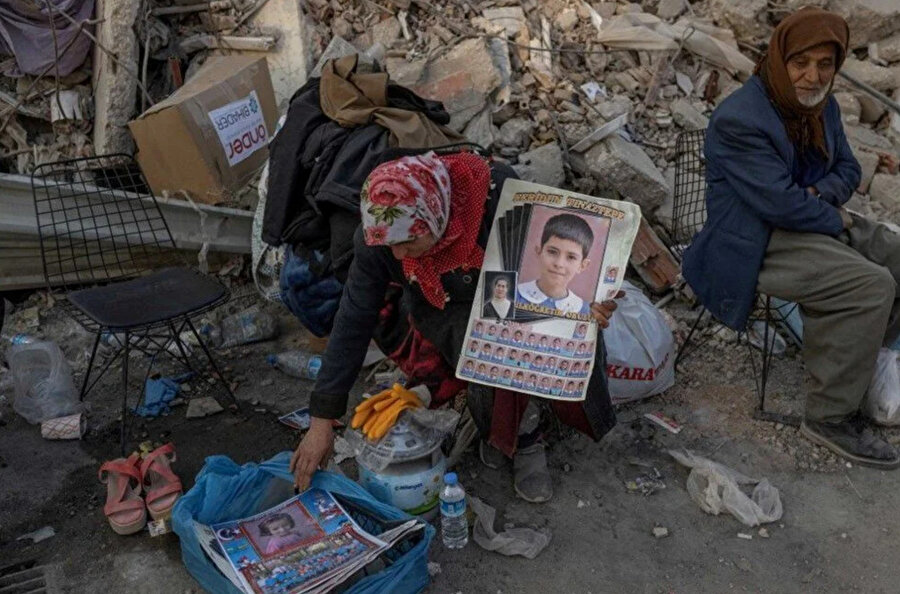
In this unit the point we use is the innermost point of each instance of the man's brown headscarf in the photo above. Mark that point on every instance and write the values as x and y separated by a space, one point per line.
805 29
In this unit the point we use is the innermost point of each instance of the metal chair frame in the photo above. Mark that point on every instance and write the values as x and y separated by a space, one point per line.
688 216
99 224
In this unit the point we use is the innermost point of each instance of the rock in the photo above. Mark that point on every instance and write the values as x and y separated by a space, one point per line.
461 79
878 77
869 20
871 109
885 190
338 47
687 116
266 382
850 106
744 17
660 531
887 49
516 132
895 117
866 137
341 28
202 407
480 129
566 19
614 107
543 165
511 18
627 168
868 162
386 32
605 9
670 9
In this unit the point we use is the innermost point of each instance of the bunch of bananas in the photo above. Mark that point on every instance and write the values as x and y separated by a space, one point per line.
377 414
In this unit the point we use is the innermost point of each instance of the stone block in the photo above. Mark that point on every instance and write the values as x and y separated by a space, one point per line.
888 49
850 107
481 129
871 109
885 190
626 167
510 18
866 137
670 9
386 32
878 77
744 17
462 79
687 116
869 20
868 163
516 132
543 165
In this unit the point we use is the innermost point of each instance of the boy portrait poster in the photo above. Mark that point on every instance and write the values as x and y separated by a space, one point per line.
561 262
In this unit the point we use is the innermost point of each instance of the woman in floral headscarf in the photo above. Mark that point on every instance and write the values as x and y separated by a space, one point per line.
425 222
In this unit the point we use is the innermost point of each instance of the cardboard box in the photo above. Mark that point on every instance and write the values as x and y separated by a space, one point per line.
210 136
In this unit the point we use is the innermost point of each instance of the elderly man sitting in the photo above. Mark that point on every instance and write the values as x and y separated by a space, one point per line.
779 170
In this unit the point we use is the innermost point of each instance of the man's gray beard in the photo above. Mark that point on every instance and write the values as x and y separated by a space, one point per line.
813 100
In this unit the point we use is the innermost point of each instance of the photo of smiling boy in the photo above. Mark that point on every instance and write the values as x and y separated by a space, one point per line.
473 349
485 353
505 336
557 388
499 355
512 357
544 387
468 369
550 365
478 330
525 361
518 338
481 373
519 380
506 378
538 363
553 258
563 368
531 383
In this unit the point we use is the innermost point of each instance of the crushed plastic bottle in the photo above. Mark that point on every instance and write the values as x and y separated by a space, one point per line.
300 364
454 525
241 328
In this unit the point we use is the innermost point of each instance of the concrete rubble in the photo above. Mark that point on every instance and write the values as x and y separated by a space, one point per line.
589 94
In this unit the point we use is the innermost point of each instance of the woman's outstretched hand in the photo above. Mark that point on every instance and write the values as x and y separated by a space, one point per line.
314 451
604 310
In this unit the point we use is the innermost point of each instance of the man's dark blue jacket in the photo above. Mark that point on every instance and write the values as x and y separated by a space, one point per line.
757 182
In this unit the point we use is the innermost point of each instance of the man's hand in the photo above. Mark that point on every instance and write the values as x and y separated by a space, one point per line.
603 311
313 452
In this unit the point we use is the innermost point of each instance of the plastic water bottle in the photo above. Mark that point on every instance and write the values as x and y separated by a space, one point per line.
454 526
242 328
297 363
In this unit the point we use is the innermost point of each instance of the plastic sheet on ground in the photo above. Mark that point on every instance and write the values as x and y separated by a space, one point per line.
526 542
715 488
882 403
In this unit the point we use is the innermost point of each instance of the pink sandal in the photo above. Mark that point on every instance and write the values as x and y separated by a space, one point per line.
124 509
162 486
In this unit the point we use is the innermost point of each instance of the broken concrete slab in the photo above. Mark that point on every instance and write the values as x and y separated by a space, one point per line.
887 49
868 163
462 79
869 20
866 137
687 116
386 32
481 129
510 18
670 9
885 190
115 85
543 165
614 107
850 107
871 109
877 77
745 17
626 167
516 132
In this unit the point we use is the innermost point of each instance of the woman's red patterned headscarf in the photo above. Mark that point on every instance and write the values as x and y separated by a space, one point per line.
442 195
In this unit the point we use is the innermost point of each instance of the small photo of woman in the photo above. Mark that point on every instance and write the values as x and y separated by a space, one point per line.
497 287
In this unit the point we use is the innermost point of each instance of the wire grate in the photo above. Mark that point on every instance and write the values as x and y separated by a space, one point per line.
689 204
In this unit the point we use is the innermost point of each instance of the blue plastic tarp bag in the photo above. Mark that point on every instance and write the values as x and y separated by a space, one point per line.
226 491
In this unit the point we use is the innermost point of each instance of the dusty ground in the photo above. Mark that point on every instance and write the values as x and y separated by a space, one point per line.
838 533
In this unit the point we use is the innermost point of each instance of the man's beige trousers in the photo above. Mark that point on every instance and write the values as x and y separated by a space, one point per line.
847 291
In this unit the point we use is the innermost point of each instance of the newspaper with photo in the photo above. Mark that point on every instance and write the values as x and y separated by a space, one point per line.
550 254
307 544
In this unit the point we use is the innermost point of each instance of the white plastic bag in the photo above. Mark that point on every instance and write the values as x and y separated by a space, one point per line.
714 487
882 402
640 349
42 382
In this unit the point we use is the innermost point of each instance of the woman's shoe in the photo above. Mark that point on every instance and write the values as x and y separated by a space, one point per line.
531 478
124 508
162 486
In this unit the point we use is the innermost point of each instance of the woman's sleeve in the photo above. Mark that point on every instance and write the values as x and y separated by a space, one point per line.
354 325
